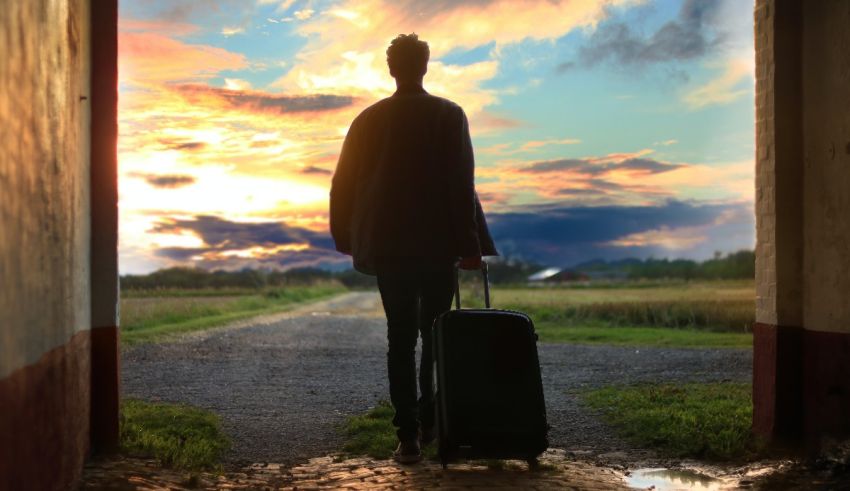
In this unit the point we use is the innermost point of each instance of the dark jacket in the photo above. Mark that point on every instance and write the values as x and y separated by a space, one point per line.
404 188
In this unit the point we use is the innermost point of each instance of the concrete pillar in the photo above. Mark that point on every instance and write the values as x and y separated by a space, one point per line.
45 232
105 376
801 359
777 384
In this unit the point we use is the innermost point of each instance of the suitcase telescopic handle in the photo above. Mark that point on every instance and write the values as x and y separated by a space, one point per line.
484 273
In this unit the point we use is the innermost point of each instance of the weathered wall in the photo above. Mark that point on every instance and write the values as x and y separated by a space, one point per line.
44 242
826 219
826 69
779 164
801 359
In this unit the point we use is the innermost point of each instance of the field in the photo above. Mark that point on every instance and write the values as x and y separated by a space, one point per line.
157 314
704 421
680 314
674 314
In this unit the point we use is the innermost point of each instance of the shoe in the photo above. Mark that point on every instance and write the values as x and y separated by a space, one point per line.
427 435
408 452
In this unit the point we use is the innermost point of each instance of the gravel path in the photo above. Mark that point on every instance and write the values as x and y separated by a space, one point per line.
283 384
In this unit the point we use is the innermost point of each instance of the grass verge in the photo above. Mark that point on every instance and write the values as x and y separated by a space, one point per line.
150 319
373 434
178 436
553 332
704 421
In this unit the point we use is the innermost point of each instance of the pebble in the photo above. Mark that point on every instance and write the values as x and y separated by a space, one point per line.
556 472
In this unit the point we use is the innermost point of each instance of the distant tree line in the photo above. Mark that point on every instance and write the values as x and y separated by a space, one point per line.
196 278
736 265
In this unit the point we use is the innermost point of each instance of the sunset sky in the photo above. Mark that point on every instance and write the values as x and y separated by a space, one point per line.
602 129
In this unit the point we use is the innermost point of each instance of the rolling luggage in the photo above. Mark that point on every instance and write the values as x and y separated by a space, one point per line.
489 391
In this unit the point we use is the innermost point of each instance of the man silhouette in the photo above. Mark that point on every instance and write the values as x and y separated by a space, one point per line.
403 204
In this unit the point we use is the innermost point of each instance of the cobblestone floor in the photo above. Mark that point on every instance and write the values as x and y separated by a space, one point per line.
556 472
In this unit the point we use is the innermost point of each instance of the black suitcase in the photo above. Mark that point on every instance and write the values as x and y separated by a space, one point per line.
489 391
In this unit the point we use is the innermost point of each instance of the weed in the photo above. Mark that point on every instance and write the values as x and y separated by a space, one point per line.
177 435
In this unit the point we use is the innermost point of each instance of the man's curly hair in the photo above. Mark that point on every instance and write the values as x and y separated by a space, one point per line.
407 56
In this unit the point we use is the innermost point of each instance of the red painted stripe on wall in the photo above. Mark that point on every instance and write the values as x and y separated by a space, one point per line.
44 419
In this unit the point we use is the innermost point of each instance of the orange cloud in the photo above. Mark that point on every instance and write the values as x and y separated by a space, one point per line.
529 146
733 83
153 57
681 238
626 178
673 239
346 44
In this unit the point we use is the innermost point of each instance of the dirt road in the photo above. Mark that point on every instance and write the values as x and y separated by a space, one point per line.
284 383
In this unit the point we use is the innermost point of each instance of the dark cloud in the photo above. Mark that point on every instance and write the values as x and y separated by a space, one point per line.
557 235
312 169
220 234
175 181
168 181
313 257
565 66
682 39
590 167
649 165
561 164
567 235
264 101
700 27
184 145
603 185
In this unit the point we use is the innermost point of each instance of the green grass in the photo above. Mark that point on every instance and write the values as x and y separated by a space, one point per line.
188 292
705 421
176 435
678 314
373 434
551 332
154 318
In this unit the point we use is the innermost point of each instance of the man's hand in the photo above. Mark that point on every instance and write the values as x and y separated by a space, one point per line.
472 262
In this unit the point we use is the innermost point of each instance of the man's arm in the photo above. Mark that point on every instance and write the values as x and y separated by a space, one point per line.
461 176
343 191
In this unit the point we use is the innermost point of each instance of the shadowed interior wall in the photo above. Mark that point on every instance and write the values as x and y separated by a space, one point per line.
801 359
826 215
45 314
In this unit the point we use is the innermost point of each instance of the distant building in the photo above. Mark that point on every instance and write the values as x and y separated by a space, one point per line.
557 275
544 275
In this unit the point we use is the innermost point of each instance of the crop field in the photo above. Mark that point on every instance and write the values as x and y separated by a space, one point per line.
682 314
674 314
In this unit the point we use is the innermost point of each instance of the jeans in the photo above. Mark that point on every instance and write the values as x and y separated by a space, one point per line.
413 298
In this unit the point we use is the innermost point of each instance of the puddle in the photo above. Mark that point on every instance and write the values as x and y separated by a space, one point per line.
670 480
